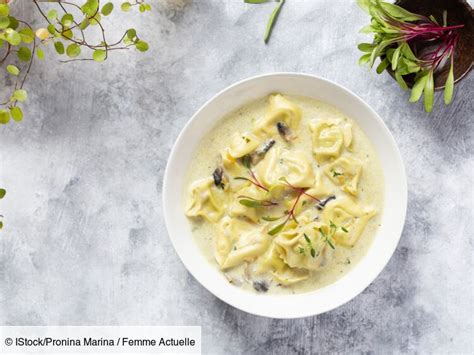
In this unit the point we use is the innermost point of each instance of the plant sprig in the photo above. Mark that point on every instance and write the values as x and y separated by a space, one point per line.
399 38
273 17
66 26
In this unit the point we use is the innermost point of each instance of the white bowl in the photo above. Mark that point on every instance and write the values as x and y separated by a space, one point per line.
392 220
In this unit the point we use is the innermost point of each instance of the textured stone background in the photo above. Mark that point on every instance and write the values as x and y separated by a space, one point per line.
84 240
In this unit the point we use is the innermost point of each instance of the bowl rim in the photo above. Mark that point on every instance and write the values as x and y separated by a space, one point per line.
235 301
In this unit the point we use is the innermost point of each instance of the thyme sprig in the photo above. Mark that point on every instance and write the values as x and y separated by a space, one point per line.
302 250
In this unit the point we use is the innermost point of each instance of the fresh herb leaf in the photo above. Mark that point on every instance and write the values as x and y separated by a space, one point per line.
344 230
270 219
272 21
241 178
330 244
418 87
313 252
277 229
449 85
429 93
250 203
307 238
382 66
395 30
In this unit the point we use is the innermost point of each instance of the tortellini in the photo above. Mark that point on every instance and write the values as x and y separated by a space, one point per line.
242 144
279 207
271 261
203 200
350 216
305 247
279 110
345 172
237 242
329 138
294 166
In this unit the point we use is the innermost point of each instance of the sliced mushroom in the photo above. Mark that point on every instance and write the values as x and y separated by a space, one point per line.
259 154
217 176
260 286
323 203
284 131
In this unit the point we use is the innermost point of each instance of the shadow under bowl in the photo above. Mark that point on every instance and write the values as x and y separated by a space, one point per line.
459 12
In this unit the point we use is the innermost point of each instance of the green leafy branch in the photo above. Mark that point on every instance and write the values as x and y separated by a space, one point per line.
66 30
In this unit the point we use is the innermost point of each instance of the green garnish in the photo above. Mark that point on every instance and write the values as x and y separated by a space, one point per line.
251 202
335 173
271 219
310 246
277 229
327 237
273 17
306 238
396 32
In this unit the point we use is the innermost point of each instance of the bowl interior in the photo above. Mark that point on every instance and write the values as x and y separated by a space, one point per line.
299 305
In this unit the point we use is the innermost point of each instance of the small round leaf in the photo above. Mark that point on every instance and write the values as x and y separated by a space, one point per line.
142 46
4 116
99 55
3 192
40 53
4 22
24 54
126 6
13 22
107 9
59 46
27 35
19 95
52 14
42 33
73 50
16 113
51 29
84 24
66 33
4 10
12 37
67 20
12 69
131 33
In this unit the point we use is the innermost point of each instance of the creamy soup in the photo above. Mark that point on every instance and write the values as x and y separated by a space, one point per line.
285 195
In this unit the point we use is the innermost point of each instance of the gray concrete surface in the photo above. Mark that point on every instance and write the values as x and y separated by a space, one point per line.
84 241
